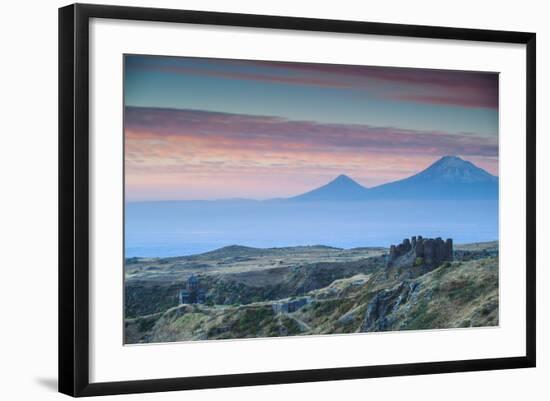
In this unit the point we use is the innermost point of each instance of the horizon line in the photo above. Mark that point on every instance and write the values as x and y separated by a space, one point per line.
295 246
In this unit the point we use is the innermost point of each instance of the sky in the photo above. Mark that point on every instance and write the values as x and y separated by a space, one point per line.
198 128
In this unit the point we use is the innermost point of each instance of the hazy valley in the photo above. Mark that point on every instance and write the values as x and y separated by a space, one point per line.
452 197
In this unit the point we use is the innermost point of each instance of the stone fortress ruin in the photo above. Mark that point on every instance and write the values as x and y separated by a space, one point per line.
418 251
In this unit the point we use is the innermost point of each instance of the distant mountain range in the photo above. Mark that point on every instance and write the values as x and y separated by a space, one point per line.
448 178
452 199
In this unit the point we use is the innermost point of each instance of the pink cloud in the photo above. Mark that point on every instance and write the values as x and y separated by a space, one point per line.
188 153
272 134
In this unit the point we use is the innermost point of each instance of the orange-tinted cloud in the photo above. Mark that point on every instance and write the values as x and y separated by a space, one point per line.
189 154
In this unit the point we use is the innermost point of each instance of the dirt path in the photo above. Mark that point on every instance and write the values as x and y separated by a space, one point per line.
303 325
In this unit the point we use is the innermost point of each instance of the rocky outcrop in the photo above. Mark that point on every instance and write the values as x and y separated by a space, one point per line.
430 252
380 311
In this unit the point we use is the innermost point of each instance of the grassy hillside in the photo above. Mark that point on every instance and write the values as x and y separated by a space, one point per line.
241 275
357 295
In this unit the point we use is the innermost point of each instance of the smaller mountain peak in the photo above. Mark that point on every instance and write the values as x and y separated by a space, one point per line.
343 181
342 177
340 188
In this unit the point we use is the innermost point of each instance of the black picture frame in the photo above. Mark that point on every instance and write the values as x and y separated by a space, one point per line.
74 198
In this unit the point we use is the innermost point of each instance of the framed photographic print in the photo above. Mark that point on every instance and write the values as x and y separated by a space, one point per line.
249 199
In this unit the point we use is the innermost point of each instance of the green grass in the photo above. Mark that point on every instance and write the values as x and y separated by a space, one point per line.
422 318
189 322
456 294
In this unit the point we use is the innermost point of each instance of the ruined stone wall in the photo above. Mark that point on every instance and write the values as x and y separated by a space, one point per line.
429 251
